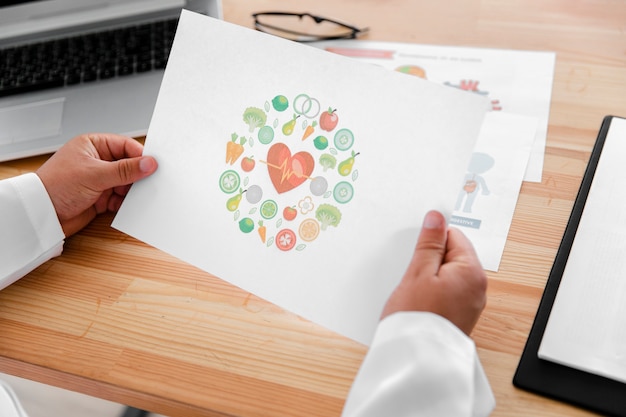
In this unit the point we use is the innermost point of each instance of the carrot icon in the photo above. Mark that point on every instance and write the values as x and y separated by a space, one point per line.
309 130
262 231
234 149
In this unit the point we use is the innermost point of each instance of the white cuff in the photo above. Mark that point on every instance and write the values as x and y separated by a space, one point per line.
9 404
420 364
31 232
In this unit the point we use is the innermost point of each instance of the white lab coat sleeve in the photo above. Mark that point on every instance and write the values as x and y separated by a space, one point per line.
30 232
420 364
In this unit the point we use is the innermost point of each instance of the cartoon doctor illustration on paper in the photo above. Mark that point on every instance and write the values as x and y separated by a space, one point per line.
474 182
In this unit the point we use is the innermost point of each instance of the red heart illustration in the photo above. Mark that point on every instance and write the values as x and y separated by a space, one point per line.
288 172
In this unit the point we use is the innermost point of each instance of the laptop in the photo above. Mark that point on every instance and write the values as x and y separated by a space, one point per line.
69 67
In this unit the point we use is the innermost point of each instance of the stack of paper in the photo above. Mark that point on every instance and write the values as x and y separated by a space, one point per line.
511 145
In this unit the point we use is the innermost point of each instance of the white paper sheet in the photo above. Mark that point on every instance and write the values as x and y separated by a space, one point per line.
487 197
412 140
516 82
587 325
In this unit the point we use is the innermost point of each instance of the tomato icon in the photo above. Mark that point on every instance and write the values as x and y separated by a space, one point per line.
285 239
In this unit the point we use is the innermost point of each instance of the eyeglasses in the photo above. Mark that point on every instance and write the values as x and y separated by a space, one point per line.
304 27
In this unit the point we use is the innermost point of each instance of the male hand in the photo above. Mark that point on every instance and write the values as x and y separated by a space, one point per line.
444 277
91 174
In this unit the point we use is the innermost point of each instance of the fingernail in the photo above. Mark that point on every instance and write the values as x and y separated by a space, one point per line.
432 220
146 164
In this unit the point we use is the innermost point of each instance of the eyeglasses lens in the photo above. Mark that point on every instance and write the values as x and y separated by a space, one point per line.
301 28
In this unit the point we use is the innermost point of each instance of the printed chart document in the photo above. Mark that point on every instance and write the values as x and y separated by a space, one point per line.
586 329
516 82
298 175
487 196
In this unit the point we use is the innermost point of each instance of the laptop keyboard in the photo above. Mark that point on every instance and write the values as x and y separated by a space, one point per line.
85 58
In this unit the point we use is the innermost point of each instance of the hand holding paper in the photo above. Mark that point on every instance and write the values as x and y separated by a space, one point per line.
296 174
444 277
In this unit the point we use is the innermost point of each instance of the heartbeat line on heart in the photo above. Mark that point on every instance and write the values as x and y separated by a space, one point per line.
286 172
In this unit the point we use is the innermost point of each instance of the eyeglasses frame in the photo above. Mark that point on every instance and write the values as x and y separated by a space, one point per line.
354 31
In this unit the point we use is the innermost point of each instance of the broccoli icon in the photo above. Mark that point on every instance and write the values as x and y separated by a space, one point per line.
254 117
328 215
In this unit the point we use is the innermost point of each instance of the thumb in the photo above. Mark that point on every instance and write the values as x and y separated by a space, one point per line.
431 245
126 171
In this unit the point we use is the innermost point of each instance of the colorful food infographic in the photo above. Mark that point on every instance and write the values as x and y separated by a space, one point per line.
309 155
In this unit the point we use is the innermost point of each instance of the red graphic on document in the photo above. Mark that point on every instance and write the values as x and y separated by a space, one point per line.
286 171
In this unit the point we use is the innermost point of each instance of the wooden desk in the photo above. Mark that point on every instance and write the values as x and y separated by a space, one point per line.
120 320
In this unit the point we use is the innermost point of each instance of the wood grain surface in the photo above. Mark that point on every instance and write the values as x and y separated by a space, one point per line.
115 318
